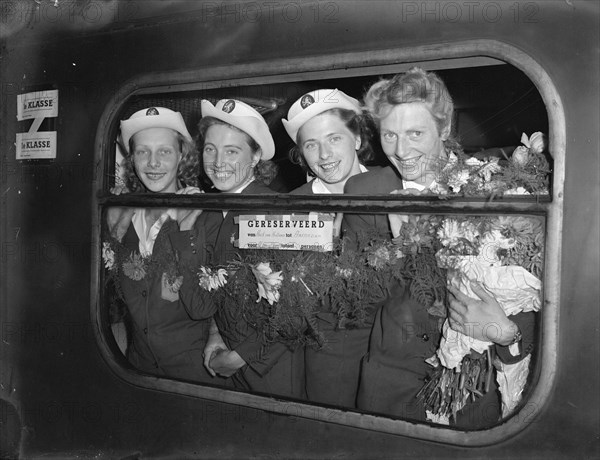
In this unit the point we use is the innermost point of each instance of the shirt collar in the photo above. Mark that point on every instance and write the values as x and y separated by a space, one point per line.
239 190
147 236
319 188
413 184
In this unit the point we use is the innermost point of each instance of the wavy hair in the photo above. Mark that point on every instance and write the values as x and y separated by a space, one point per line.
358 125
264 171
188 170
416 85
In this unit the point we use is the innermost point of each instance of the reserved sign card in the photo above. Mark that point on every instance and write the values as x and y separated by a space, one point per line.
313 232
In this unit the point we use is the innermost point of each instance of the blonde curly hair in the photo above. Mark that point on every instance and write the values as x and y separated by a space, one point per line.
415 85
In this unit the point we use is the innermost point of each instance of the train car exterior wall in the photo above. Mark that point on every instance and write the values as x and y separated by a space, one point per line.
56 385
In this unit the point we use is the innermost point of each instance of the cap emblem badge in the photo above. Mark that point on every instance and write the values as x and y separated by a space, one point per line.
228 106
306 100
152 111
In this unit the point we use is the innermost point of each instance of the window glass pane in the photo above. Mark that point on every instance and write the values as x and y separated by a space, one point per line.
362 324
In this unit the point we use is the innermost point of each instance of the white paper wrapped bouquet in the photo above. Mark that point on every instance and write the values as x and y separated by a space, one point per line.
504 254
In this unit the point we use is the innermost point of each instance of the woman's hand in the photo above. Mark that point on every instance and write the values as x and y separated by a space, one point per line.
337 224
213 344
482 319
226 362
119 218
396 220
187 217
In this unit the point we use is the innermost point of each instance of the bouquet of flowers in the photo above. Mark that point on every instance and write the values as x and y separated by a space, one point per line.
120 260
525 172
281 292
504 254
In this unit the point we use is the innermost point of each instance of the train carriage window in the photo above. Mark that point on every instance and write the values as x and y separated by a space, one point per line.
358 330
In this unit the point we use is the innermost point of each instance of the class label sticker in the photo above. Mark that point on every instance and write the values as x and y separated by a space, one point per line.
308 232
39 104
40 145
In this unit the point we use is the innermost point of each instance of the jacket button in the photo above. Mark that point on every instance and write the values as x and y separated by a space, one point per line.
425 337
145 330
144 293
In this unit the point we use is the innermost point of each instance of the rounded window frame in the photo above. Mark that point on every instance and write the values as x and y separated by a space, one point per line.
360 63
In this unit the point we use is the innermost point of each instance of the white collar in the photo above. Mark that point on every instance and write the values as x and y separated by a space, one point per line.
413 184
319 188
239 190
147 236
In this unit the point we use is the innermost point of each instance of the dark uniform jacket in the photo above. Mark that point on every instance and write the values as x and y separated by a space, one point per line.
404 334
304 189
332 372
165 339
269 368
380 181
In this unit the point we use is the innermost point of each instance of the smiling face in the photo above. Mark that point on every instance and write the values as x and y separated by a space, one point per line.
329 149
156 155
229 160
410 139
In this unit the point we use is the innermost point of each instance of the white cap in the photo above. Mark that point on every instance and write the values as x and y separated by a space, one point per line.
152 117
244 117
315 103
